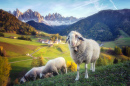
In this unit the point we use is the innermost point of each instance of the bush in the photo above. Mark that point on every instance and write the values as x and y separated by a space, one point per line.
5 68
102 49
36 62
16 81
24 38
1 35
115 61
2 51
103 61
71 66
117 50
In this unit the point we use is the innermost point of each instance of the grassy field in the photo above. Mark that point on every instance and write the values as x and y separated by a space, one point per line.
17 49
112 75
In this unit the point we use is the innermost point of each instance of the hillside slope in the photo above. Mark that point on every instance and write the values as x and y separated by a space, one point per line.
104 25
114 75
9 23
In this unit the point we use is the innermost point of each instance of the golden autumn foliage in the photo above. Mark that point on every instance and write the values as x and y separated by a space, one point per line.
5 68
16 81
71 66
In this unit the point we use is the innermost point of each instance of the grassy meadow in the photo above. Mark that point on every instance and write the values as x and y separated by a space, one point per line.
112 75
16 51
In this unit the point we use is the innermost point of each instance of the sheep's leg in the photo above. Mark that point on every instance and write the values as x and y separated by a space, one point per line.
56 71
86 72
66 70
91 66
78 67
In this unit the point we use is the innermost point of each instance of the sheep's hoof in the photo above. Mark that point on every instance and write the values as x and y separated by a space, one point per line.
76 79
86 77
93 70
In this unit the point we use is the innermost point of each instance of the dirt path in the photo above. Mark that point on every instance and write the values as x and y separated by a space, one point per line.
35 51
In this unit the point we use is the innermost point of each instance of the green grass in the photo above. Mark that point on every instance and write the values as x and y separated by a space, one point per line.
19 69
119 42
13 59
17 41
112 75
109 44
123 40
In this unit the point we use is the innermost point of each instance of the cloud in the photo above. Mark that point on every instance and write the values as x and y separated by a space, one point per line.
113 4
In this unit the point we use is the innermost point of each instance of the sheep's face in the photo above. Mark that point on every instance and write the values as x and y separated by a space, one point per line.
74 39
22 80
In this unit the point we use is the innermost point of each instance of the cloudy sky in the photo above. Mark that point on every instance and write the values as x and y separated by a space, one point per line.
76 8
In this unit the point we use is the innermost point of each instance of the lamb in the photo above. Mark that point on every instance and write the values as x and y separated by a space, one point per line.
33 74
54 65
83 51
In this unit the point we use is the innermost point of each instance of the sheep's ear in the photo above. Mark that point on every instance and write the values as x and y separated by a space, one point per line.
81 38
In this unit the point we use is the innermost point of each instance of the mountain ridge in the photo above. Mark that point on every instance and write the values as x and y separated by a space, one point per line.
104 25
54 19
9 23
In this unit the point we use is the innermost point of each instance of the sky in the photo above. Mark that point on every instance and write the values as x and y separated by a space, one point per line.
76 8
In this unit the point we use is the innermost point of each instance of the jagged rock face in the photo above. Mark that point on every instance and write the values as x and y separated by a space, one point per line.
28 15
18 14
50 19
58 17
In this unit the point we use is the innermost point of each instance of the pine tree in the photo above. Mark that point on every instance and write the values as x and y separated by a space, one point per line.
5 68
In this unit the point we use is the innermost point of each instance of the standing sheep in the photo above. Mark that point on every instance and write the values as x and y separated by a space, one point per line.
32 74
83 51
54 65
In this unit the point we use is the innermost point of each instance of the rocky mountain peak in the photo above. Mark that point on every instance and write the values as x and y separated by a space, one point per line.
50 19
18 14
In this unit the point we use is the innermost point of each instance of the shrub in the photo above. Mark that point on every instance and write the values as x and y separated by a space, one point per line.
2 51
115 61
102 61
5 68
102 49
41 61
16 81
24 38
71 66
36 62
117 50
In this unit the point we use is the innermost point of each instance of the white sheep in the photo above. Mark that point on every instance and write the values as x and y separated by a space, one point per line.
83 51
32 74
54 65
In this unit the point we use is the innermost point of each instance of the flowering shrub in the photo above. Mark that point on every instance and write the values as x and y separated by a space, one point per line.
71 66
